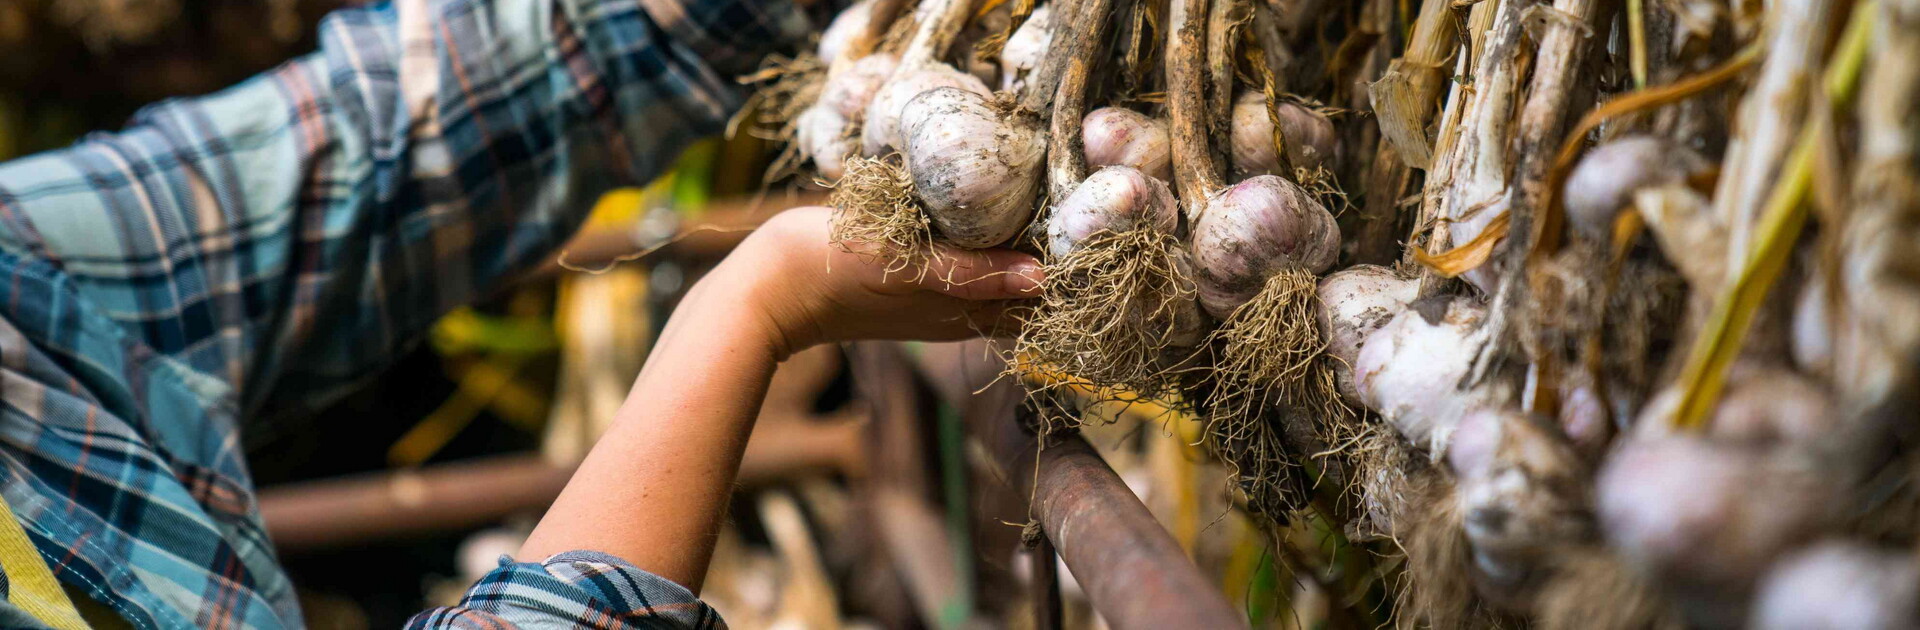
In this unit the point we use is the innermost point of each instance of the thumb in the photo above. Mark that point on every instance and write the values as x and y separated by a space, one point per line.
982 274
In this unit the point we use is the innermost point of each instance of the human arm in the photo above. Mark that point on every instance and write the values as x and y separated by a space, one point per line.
650 497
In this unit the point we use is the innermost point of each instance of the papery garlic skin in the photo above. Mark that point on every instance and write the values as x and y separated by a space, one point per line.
881 131
1252 230
1025 48
1115 198
1354 302
849 91
1310 138
977 173
1605 179
846 27
1410 372
1117 136
821 134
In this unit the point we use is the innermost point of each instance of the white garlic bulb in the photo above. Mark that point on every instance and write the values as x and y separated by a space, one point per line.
849 90
1410 372
1605 179
1025 48
821 134
1686 509
1354 302
851 24
1522 491
1309 135
1840 586
977 173
1254 229
882 130
1117 136
1115 198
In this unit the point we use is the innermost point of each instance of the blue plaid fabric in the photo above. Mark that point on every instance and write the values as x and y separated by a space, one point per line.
245 256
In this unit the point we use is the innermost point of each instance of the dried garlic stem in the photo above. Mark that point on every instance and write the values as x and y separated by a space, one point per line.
1769 116
1404 99
1066 158
1196 170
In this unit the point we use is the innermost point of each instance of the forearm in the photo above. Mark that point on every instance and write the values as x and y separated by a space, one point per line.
654 489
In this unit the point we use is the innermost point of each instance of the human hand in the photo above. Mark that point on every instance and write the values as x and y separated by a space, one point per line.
813 291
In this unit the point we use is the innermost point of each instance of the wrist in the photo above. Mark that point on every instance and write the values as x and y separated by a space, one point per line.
751 296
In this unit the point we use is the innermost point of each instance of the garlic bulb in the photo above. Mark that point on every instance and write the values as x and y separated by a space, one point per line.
1409 371
1842 586
1354 302
1026 47
1310 139
849 25
1606 178
848 91
1117 136
1114 198
821 133
1252 230
1522 491
882 130
977 174
1707 517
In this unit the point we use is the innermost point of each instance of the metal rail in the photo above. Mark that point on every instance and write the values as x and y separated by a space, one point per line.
1132 570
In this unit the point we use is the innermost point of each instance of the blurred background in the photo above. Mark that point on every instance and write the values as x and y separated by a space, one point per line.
867 497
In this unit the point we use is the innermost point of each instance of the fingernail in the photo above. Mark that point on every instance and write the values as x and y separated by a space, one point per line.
1025 276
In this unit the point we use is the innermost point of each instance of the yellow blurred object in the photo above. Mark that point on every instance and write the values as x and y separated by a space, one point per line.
605 333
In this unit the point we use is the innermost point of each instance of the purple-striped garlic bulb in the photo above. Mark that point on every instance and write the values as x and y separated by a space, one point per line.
1309 136
977 173
1117 136
1253 230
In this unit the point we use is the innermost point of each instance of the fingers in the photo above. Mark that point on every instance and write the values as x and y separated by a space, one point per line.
985 274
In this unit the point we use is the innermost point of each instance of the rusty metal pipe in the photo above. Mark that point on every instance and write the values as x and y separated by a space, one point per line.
1132 570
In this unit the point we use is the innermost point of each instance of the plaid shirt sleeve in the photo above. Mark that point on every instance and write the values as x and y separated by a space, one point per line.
579 590
240 256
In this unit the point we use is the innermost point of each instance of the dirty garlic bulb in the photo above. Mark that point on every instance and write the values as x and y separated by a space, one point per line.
919 71
1354 302
977 174
851 24
1117 136
821 130
821 133
1605 179
1026 47
1309 136
1115 198
882 130
1523 493
1410 370
1253 230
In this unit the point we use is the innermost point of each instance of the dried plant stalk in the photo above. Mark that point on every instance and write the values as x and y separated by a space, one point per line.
1768 116
1404 98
